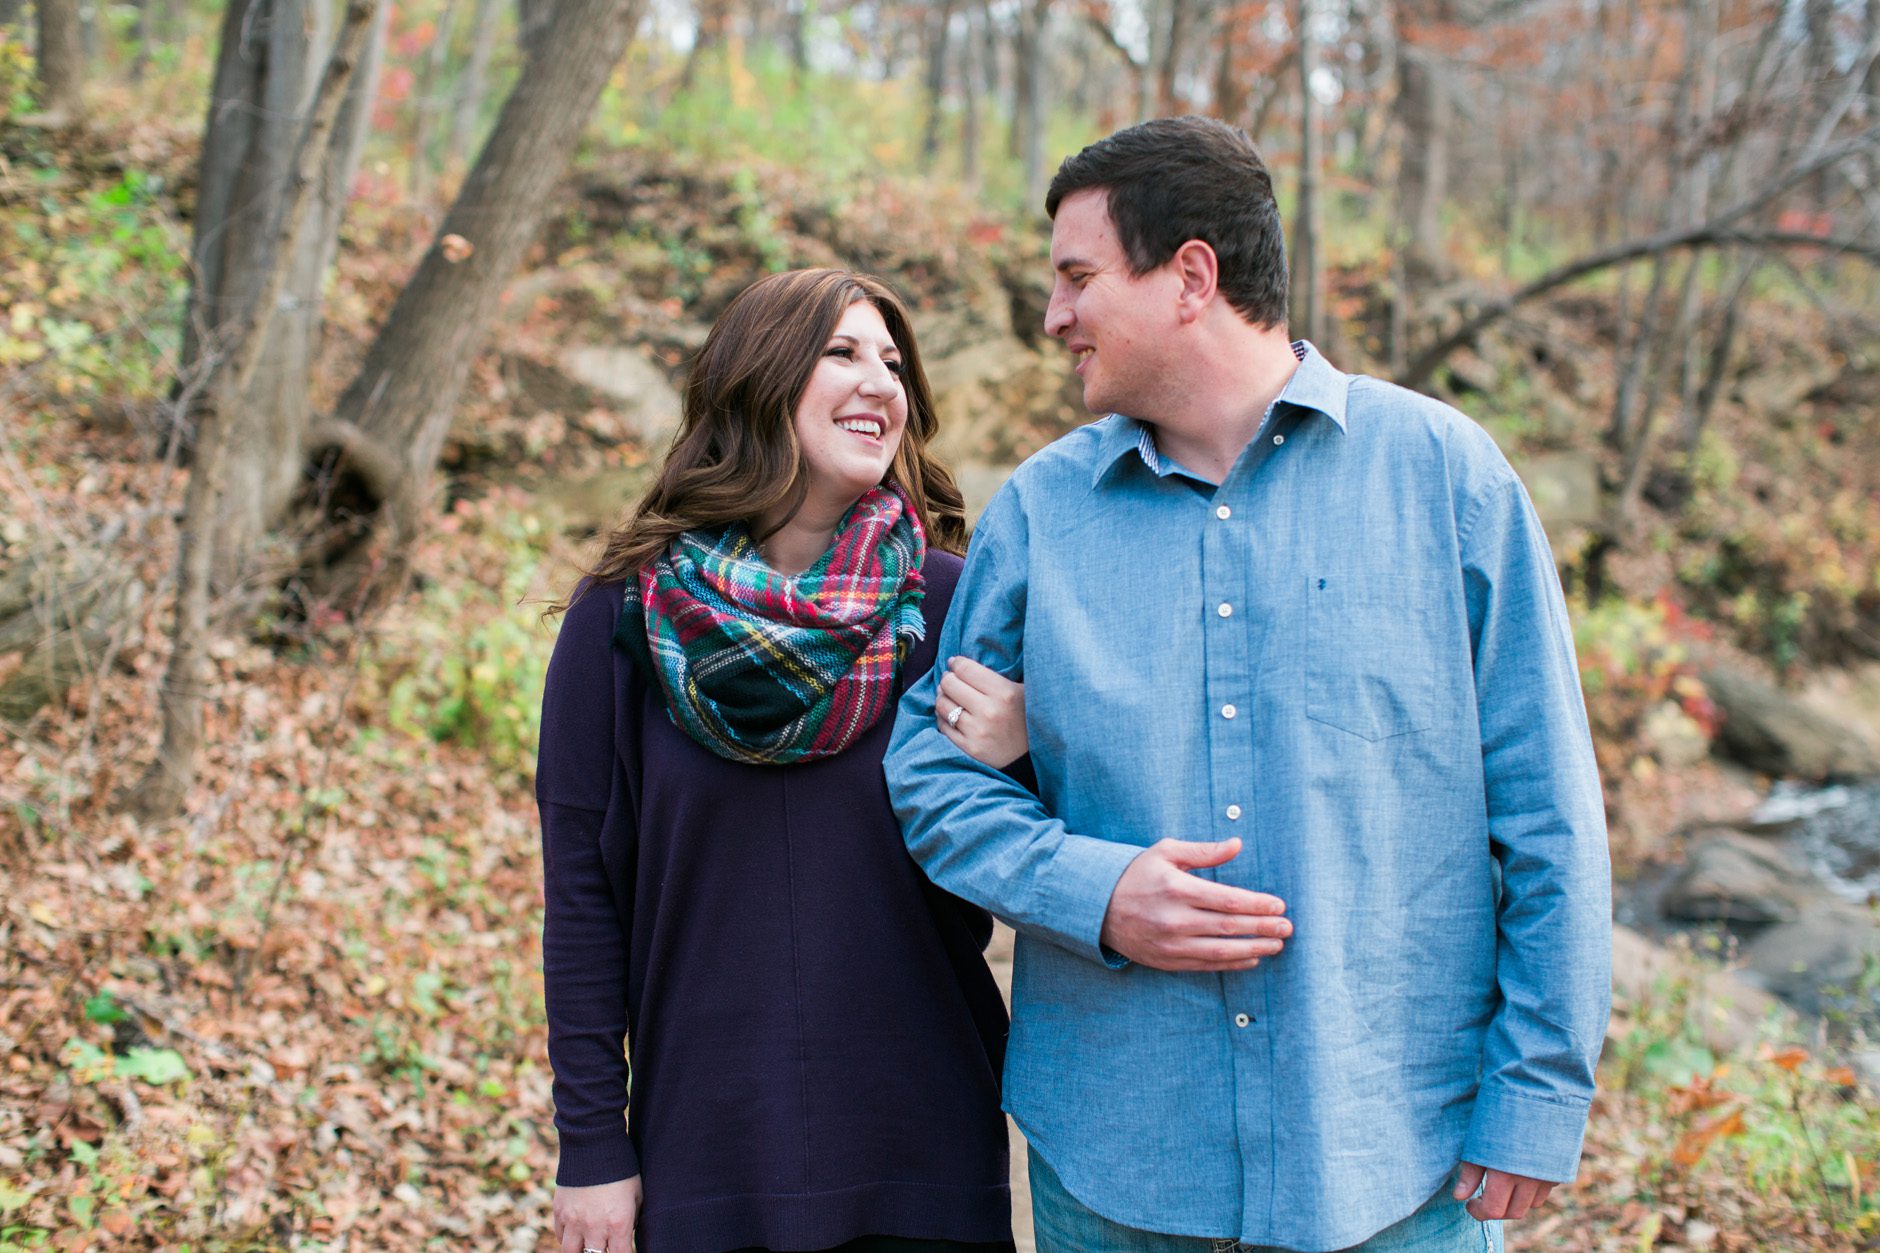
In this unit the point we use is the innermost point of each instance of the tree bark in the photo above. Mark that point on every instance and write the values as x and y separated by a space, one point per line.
1423 166
1308 267
1170 64
972 74
1230 85
256 119
164 784
473 84
390 424
428 105
532 19
61 62
939 39
1029 118
256 96
714 16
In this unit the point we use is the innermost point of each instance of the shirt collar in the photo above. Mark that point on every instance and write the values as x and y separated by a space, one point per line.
1317 385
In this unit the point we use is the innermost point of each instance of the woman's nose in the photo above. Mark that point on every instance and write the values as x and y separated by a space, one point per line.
879 380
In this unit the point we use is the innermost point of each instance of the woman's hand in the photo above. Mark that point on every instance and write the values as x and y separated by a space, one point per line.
600 1217
983 712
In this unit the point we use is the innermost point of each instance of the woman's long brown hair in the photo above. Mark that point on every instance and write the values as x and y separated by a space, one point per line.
735 457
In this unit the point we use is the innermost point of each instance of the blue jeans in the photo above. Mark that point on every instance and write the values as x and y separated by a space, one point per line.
1064 1225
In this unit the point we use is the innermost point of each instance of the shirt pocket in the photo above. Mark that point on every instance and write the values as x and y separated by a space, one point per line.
1371 654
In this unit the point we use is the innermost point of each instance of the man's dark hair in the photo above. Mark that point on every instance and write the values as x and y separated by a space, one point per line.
1175 179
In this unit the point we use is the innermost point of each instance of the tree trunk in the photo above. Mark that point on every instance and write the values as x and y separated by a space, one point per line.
473 84
144 37
254 101
713 17
1170 64
532 19
428 106
256 119
938 39
227 424
798 34
61 61
1423 115
1031 114
972 71
1308 268
1230 85
390 424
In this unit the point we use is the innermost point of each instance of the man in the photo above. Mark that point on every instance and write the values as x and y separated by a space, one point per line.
1313 903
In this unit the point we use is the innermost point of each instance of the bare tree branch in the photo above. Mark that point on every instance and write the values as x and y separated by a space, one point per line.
1719 230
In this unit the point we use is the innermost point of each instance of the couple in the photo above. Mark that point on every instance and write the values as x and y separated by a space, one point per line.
1295 813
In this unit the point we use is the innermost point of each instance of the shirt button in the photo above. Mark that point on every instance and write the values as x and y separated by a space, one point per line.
1226 610
1278 440
1241 1020
1233 813
1223 512
1228 711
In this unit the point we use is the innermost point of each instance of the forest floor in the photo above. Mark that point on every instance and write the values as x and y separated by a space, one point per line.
308 1013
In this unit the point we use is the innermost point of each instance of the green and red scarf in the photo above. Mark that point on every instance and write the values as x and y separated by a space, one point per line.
769 668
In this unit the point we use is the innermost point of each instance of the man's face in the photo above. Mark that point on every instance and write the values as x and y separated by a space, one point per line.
1114 323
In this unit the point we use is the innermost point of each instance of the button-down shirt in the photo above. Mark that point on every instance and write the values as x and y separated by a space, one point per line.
1353 654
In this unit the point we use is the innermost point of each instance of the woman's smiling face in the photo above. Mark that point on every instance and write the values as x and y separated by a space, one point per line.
853 410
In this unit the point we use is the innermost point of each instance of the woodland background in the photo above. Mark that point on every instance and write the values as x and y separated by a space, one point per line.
332 330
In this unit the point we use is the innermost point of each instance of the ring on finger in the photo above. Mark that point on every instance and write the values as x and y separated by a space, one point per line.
953 718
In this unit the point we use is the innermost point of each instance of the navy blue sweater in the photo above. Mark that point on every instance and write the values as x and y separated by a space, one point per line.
815 1039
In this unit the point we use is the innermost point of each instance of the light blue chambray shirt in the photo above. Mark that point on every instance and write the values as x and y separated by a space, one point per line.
1354 655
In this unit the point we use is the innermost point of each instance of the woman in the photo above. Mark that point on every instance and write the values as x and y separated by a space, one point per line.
815 1038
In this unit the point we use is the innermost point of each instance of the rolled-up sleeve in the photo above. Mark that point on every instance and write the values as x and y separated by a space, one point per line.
1547 829
976 831
584 930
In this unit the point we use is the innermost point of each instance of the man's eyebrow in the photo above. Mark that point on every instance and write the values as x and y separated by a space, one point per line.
1072 263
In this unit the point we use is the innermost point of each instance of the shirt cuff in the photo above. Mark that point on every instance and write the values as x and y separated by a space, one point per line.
1525 1135
1093 867
589 1158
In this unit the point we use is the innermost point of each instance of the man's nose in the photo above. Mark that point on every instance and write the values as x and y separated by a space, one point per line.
1057 317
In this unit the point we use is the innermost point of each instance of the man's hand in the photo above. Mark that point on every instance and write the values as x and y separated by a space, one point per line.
1503 1196
1160 915
600 1217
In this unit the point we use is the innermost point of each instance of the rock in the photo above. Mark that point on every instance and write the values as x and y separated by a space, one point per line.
1674 737
993 394
1789 806
1766 729
598 502
1468 372
1565 489
1734 1010
978 483
1818 961
630 383
1737 878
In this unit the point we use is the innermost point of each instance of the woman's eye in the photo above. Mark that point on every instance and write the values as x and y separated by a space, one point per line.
894 368
847 354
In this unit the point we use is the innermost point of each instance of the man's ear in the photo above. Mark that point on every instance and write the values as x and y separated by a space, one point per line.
1200 273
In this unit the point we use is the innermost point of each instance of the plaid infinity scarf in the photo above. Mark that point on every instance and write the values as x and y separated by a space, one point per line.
766 668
